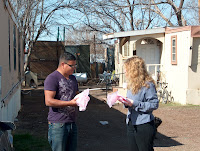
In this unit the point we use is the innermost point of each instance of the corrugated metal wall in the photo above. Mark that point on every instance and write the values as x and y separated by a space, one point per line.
82 53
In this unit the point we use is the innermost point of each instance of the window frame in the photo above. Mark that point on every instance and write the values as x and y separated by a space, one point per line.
125 49
174 62
19 53
9 45
14 46
0 81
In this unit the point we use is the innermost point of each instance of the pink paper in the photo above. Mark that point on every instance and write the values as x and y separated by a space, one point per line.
112 98
83 99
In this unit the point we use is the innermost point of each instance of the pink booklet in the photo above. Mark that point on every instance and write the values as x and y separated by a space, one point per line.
112 98
83 99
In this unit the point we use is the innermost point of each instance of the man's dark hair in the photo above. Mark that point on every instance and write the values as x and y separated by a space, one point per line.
66 56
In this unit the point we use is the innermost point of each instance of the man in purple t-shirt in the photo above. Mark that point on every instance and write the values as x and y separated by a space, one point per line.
60 88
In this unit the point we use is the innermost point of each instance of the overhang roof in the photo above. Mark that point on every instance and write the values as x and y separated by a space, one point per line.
133 33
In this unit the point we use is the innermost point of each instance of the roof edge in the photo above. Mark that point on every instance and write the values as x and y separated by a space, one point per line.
133 33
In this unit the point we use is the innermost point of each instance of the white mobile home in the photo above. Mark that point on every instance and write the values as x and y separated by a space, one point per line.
174 51
11 63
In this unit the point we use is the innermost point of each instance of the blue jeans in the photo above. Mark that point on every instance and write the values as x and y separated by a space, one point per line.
62 136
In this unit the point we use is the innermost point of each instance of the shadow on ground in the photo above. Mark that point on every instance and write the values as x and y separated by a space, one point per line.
164 141
92 136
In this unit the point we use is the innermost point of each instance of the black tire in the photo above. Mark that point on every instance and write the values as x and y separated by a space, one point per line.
172 99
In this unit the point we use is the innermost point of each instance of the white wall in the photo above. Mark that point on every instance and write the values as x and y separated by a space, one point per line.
193 91
133 46
10 111
183 78
177 75
10 76
133 39
194 69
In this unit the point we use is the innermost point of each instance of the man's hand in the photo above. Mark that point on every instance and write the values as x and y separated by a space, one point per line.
73 102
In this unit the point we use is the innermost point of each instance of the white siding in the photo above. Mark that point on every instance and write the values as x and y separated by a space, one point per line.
183 77
177 75
10 74
193 92
10 111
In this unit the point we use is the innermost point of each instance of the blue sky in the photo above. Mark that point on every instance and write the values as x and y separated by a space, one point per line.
71 16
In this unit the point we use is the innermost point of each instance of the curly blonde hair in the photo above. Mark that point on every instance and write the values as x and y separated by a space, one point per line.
137 75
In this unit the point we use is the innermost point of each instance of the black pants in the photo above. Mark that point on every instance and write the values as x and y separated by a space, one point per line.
141 137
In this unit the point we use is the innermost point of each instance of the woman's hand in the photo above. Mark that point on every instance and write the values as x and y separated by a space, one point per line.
126 101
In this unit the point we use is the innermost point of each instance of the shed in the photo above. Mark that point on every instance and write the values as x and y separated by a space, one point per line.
174 51
45 57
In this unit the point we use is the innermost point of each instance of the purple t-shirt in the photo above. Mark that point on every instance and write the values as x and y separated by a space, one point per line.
65 90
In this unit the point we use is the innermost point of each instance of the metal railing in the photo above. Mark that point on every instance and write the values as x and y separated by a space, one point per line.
10 92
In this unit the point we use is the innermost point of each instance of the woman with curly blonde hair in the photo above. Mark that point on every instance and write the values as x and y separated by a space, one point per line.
141 101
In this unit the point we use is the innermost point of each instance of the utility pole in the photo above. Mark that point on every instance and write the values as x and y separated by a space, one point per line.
57 47
58 35
95 50
95 58
64 35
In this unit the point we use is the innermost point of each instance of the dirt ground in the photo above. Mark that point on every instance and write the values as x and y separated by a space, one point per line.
179 130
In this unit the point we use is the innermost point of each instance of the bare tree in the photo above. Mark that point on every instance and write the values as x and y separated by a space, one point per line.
85 17
33 19
106 16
